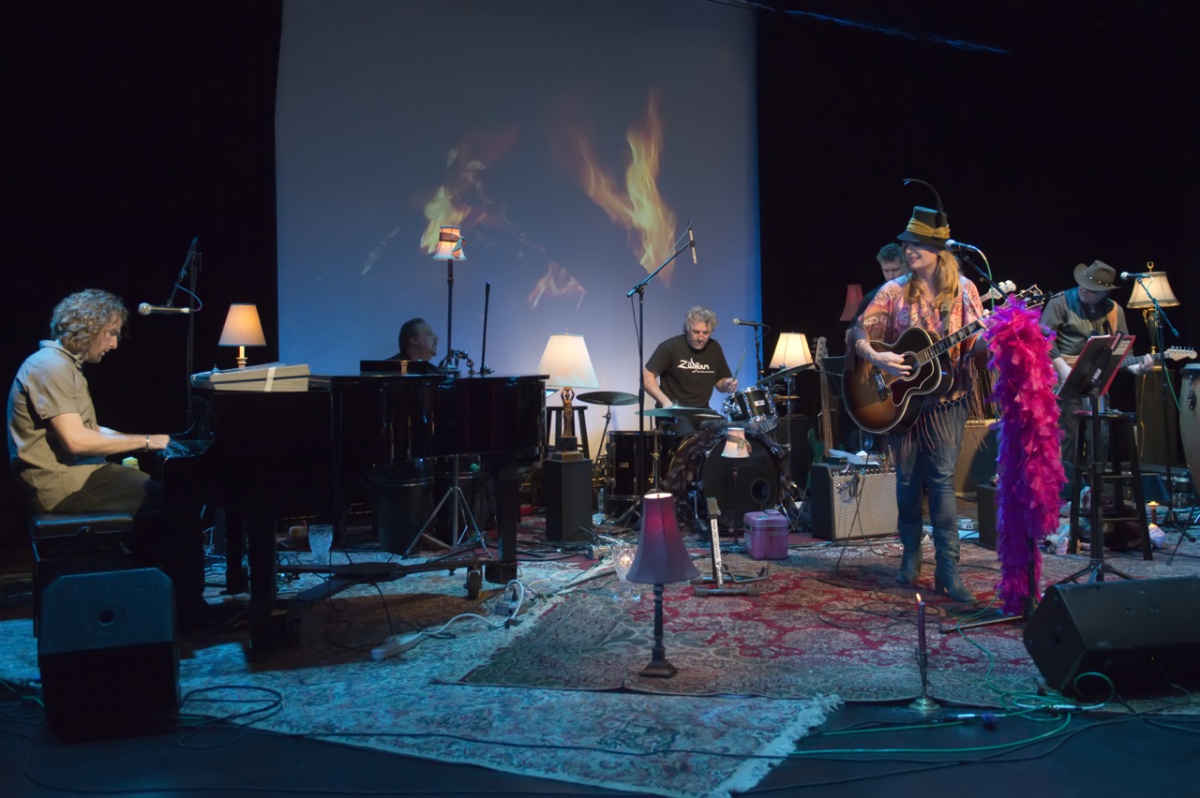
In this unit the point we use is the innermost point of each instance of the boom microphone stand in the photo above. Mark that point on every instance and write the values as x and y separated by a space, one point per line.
640 290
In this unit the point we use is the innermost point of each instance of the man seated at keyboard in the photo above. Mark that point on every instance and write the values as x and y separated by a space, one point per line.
58 450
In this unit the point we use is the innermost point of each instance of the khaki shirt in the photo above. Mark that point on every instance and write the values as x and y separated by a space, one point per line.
48 384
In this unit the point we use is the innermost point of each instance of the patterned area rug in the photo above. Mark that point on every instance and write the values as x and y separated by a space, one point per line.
329 687
830 620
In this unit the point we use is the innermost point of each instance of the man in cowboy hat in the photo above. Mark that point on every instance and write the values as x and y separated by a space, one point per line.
1075 315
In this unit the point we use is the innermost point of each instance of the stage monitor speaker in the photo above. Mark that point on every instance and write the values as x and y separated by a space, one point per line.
567 494
1141 634
857 504
107 652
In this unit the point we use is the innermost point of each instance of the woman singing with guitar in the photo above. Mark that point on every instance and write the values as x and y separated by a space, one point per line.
927 386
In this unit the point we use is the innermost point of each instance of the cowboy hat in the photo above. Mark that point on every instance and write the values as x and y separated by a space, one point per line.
1099 276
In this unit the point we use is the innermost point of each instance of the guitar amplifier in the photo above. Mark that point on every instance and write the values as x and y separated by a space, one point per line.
860 503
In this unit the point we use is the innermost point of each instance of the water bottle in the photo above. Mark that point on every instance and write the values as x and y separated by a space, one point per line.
600 502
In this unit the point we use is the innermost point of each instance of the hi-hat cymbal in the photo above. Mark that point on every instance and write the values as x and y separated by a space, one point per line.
673 412
607 398
783 375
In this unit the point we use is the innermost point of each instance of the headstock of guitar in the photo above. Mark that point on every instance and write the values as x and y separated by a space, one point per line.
1033 297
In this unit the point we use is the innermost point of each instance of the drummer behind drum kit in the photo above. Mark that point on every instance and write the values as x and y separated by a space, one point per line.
692 467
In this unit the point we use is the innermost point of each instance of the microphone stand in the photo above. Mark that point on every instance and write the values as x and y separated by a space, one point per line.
758 352
986 275
483 369
640 290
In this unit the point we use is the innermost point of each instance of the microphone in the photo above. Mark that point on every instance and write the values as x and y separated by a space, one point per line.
1138 275
150 310
692 243
958 246
749 323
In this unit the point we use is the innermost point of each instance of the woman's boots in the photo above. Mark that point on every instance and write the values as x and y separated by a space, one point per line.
946 581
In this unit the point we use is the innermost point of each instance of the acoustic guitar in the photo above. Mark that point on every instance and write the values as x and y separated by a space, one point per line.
884 403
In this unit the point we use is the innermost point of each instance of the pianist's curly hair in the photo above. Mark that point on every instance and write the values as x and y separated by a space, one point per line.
79 318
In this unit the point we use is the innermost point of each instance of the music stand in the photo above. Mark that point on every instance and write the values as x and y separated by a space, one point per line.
1091 377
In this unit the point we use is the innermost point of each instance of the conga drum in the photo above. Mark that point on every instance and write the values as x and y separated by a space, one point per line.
1189 419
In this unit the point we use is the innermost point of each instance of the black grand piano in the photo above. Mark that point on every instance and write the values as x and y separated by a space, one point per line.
266 456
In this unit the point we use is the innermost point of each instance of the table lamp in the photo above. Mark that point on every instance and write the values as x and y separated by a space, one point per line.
661 559
449 249
242 329
569 366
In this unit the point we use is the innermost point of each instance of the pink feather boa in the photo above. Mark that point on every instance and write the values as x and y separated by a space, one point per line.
1029 466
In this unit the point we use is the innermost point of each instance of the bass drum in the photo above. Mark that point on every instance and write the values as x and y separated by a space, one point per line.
698 472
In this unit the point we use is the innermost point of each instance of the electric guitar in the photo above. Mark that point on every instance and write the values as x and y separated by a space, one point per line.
1174 353
821 446
886 403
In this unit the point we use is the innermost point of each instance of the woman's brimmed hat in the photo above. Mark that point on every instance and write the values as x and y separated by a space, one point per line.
927 225
1099 276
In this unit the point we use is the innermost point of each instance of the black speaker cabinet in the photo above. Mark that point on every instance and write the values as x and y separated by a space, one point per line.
1142 634
976 459
857 504
567 494
792 433
107 651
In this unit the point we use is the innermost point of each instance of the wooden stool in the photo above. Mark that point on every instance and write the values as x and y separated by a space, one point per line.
1115 473
75 544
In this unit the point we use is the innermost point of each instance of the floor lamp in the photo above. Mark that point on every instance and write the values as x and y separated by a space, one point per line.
449 249
791 350
1151 293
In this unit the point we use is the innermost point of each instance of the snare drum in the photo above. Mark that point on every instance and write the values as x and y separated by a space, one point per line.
753 408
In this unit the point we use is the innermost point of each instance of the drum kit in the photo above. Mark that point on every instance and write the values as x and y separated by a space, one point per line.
691 465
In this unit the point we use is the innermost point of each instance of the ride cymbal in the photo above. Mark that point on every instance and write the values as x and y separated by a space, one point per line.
607 398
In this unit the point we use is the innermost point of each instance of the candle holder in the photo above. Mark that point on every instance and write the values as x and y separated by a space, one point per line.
924 703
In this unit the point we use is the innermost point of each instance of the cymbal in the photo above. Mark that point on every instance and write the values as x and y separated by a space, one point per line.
783 375
672 412
607 398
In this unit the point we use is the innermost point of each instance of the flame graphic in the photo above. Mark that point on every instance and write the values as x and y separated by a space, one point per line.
638 207
461 200
557 282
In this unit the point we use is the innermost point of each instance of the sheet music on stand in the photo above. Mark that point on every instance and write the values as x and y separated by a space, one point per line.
1093 372
1091 377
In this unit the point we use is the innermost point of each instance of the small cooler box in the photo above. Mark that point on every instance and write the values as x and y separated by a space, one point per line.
766 535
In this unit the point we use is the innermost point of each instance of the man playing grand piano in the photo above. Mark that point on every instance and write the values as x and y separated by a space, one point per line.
418 345
58 450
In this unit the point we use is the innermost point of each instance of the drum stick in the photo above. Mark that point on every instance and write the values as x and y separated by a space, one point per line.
738 370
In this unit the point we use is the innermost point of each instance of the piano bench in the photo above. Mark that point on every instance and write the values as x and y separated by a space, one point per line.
77 544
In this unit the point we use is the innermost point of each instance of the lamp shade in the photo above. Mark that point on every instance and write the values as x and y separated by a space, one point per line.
242 327
661 556
1156 285
791 351
854 298
567 362
449 245
736 444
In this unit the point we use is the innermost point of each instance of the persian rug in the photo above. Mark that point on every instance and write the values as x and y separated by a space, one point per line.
413 704
829 620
